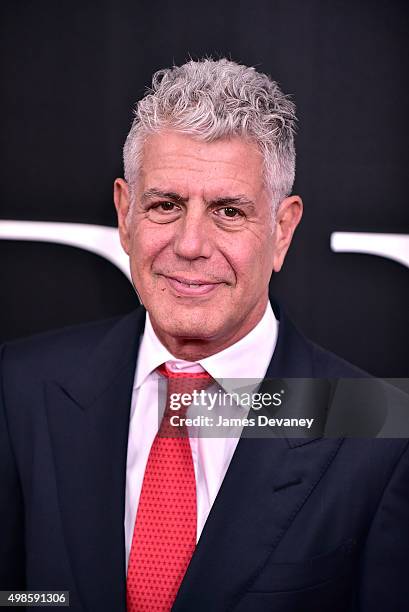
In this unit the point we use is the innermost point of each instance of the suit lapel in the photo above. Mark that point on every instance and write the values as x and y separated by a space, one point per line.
266 484
88 419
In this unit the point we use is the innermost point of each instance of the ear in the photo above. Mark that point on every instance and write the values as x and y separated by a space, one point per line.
122 203
288 217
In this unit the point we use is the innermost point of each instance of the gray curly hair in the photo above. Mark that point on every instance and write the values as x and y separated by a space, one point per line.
214 99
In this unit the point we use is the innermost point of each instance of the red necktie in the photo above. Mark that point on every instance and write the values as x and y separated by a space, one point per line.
164 537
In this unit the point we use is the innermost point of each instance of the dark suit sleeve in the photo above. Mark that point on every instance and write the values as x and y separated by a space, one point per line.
11 505
385 566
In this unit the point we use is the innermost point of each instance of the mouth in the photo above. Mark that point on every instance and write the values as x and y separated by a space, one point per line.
190 286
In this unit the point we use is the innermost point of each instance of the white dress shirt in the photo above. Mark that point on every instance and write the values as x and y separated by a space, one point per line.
246 359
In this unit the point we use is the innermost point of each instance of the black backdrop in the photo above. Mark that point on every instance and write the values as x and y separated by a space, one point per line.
71 72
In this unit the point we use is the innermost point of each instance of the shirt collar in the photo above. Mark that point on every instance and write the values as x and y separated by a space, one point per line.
247 359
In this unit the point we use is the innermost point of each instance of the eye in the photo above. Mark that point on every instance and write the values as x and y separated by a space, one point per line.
163 212
230 214
166 206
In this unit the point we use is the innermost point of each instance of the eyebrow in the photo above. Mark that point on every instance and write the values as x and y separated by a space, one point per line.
170 195
237 200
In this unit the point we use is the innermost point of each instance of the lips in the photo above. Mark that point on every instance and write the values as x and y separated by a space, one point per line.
191 286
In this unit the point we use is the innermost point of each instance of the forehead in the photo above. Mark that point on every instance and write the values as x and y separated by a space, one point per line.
176 161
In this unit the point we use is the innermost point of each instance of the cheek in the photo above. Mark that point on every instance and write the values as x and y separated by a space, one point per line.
147 243
265 253
251 261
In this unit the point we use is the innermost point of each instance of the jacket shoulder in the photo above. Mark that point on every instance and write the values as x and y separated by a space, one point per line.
296 356
54 353
330 365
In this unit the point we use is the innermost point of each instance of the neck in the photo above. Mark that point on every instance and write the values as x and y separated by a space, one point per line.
194 349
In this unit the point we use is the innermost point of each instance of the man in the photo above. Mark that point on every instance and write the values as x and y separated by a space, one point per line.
94 499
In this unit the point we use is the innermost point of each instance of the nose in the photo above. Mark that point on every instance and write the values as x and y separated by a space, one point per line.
193 236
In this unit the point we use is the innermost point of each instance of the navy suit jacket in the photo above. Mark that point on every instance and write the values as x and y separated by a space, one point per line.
299 524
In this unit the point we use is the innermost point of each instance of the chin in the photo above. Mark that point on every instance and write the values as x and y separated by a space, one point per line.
193 325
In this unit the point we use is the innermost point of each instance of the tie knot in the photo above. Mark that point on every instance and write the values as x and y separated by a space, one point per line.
181 390
185 382
197 373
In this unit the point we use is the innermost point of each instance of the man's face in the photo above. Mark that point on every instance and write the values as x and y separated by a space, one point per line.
200 239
